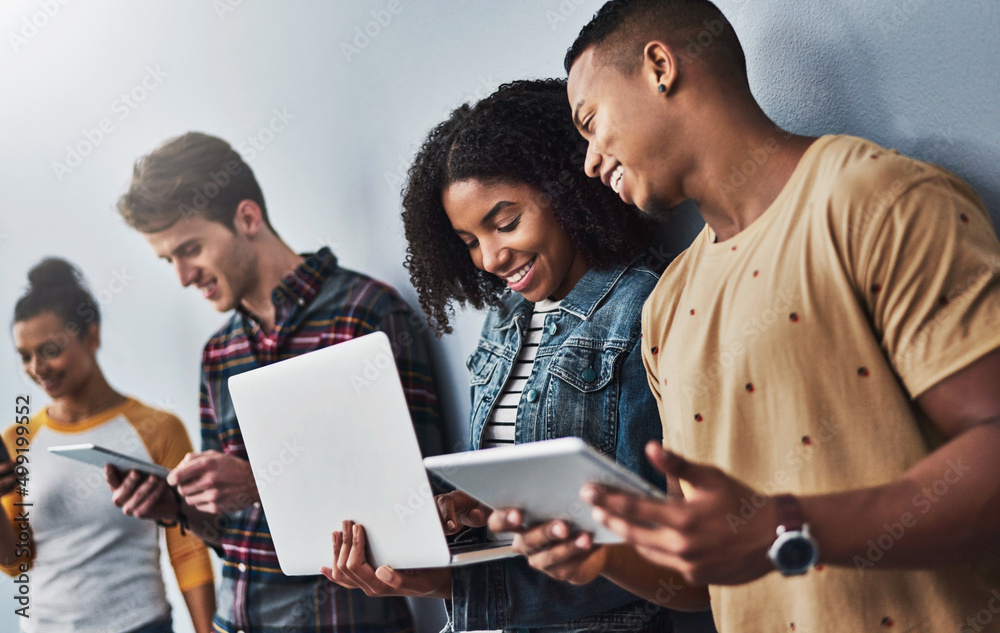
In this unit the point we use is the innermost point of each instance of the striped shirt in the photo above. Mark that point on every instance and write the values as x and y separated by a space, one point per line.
317 305
499 429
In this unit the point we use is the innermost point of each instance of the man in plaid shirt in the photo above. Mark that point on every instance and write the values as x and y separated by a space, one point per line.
200 208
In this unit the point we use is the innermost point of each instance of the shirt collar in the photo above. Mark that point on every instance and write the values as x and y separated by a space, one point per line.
302 284
588 293
582 301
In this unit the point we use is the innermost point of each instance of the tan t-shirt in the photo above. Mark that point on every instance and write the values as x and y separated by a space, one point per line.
789 356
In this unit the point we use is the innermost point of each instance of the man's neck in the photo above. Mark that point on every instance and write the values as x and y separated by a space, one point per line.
744 163
275 263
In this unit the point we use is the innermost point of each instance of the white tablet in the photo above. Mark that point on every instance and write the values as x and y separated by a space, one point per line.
99 456
542 479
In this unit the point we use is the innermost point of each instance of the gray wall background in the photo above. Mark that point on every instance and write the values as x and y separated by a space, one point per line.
917 75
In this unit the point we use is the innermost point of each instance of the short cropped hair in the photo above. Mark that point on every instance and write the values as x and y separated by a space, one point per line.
193 174
621 29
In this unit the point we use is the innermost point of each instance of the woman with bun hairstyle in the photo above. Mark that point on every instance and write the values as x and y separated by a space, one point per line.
499 214
91 568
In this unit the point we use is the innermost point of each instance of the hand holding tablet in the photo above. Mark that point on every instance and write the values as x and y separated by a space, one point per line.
542 479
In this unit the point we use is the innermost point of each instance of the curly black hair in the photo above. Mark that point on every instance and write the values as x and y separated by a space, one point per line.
521 134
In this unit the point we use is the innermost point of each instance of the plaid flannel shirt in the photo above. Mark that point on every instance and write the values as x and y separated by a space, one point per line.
317 305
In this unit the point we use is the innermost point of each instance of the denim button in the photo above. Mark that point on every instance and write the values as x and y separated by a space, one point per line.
552 328
532 395
589 375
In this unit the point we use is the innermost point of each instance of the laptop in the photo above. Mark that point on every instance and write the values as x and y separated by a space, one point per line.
329 438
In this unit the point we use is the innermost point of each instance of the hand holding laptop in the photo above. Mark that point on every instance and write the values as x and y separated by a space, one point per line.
351 568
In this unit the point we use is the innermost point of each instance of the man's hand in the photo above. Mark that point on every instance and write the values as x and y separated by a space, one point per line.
458 510
214 483
141 495
351 569
552 548
696 535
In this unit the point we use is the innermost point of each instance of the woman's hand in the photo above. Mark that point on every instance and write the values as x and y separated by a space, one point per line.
552 548
458 510
351 569
141 495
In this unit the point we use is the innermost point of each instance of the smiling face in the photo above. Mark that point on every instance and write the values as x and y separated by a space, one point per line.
622 117
208 255
53 356
511 233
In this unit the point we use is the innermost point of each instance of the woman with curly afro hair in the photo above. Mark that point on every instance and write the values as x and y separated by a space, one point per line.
521 134
500 214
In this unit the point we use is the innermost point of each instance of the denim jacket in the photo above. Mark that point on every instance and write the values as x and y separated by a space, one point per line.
588 381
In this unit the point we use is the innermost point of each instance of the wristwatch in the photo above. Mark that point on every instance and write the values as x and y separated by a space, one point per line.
794 551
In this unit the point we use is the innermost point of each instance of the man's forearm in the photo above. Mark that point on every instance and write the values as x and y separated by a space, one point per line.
942 511
659 585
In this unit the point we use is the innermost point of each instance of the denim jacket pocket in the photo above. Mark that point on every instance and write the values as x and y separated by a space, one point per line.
481 365
587 379
485 370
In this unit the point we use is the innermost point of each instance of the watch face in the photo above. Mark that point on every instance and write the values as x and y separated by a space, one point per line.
795 553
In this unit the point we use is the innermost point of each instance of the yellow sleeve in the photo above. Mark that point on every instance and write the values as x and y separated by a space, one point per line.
167 442
930 273
189 558
12 443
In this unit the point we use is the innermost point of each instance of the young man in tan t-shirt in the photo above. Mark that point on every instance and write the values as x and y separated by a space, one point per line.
826 354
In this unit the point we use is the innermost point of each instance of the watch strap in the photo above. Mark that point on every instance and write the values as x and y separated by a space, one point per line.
789 512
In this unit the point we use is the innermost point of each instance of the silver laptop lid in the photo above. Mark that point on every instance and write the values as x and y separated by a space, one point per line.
329 438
